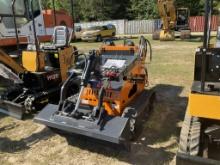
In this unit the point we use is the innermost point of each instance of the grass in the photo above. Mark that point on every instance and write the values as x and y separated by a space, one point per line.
170 75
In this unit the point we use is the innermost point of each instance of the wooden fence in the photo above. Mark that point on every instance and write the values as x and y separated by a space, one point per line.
148 26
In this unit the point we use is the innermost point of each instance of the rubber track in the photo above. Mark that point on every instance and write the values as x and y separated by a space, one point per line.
190 136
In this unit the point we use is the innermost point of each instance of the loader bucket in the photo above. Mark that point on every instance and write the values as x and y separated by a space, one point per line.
12 109
115 131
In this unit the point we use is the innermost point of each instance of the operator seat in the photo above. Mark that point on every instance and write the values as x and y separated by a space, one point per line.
61 38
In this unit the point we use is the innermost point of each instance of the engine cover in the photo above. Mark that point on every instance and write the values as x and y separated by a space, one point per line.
41 80
212 65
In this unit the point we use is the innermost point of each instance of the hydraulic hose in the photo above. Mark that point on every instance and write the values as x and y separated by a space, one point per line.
143 45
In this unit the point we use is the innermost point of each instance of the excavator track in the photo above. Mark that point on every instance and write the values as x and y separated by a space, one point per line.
191 150
190 136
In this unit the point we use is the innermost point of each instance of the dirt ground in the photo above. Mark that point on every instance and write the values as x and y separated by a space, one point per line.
170 75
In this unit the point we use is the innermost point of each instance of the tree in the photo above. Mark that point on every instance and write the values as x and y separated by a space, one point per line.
196 6
98 9
59 5
95 10
143 9
88 10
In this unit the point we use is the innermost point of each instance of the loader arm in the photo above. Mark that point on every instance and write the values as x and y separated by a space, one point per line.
9 62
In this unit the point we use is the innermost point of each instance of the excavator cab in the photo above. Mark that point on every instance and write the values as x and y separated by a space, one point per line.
57 55
182 22
51 60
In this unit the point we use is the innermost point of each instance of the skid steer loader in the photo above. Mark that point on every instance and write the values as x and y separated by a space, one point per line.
112 98
43 69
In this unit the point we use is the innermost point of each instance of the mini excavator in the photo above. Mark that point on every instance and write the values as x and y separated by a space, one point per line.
173 20
200 134
43 69
112 98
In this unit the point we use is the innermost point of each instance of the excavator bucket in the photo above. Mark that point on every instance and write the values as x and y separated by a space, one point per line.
12 109
7 107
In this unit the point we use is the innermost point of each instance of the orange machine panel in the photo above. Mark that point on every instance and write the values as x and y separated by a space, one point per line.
116 101
62 18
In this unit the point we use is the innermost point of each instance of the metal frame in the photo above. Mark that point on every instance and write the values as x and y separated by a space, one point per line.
15 24
16 27
34 27
54 11
206 42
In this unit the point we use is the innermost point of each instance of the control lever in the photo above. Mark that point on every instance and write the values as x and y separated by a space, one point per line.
85 78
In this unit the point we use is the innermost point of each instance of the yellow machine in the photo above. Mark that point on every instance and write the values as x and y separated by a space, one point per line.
108 105
200 134
167 13
33 61
41 71
41 74
172 20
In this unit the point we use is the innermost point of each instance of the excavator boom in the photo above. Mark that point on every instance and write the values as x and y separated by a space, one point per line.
9 62
167 13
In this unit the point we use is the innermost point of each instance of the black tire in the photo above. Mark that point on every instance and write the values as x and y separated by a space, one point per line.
99 38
